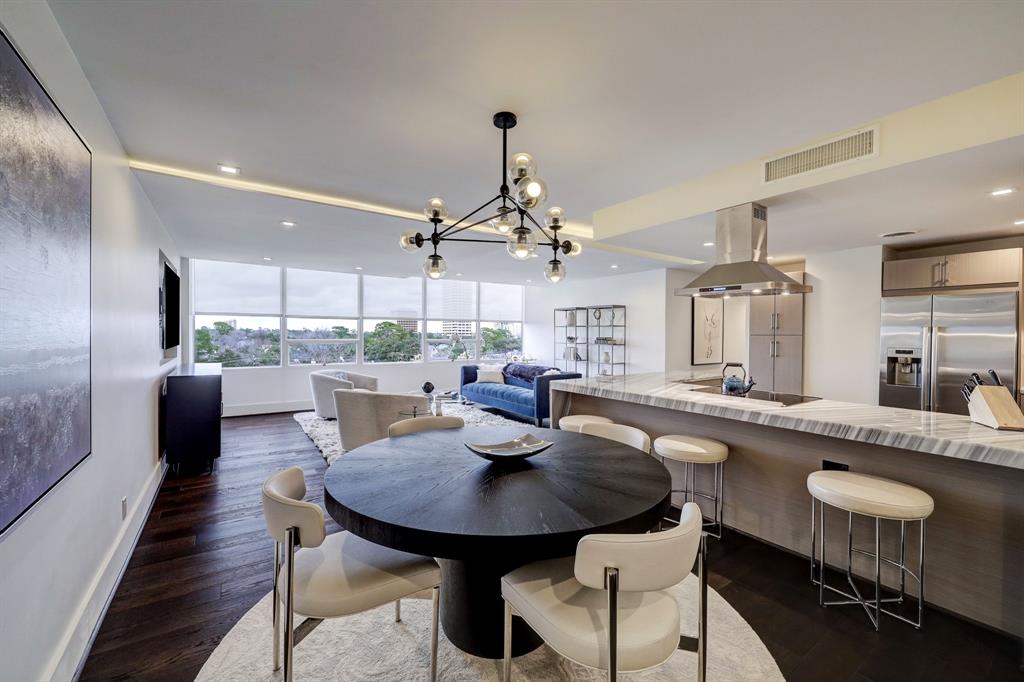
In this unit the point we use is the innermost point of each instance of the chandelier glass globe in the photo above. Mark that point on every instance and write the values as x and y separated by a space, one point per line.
521 165
575 250
522 243
503 224
434 266
436 208
554 218
531 191
555 271
408 241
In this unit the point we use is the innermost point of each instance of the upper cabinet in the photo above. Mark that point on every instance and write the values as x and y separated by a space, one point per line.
980 268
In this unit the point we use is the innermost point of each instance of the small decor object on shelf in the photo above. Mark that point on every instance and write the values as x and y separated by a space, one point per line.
570 320
606 358
515 449
428 388
597 314
707 338
509 220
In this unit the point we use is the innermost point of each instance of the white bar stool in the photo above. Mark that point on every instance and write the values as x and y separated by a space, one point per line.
691 451
574 422
880 498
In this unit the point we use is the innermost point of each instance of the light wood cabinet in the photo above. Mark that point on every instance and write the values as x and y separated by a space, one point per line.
761 361
788 365
913 273
776 346
789 315
980 268
1001 266
762 311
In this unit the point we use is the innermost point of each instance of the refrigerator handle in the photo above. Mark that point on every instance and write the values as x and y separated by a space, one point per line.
933 368
926 367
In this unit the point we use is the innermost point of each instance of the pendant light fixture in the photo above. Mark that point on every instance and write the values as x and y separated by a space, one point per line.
511 220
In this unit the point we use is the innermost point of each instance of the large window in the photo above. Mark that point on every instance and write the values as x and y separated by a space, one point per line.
237 314
260 315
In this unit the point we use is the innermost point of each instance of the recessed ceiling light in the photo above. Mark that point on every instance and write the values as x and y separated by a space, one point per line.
267 258
615 267
709 243
771 257
287 223
1001 192
1018 222
458 274
230 170
900 233
359 267
529 281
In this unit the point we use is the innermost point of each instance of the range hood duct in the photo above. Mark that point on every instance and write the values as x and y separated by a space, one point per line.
741 264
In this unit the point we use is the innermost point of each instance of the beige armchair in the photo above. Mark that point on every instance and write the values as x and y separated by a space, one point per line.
325 381
364 416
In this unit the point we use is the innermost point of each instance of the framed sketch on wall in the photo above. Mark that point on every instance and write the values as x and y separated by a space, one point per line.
45 321
707 338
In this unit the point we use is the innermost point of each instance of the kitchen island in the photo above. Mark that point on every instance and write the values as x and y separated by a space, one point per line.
975 537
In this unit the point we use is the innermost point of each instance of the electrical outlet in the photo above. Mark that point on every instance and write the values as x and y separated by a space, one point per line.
124 508
826 465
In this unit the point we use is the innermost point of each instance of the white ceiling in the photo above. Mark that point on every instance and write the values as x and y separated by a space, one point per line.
226 224
392 102
941 198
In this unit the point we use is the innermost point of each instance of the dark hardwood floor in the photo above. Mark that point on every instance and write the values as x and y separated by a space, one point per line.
204 559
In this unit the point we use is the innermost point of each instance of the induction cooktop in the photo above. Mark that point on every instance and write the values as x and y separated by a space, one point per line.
786 399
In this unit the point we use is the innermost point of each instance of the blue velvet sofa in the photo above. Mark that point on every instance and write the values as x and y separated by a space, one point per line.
524 392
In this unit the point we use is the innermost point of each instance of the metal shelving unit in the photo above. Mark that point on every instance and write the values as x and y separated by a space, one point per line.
591 340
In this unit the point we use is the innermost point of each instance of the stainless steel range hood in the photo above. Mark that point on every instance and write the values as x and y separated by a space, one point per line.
741 267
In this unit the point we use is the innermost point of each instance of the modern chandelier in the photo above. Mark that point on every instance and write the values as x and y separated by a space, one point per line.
511 219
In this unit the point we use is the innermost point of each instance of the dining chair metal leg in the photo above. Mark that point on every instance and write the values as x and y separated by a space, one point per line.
435 599
289 604
702 609
611 579
276 607
398 610
506 665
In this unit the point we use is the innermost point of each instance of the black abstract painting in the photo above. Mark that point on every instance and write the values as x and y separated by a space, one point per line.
45 232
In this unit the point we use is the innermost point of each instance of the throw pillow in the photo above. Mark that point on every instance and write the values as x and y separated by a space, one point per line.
489 374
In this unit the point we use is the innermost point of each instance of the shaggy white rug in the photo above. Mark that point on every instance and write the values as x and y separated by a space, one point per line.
324 432
371 646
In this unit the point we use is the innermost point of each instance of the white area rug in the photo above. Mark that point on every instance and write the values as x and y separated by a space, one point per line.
324 432
371 646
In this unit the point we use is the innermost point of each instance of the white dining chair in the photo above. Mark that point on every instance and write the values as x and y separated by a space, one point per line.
420 424
328 576
608 607
627 435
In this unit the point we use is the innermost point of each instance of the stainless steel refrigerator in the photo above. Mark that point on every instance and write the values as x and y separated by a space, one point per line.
931 344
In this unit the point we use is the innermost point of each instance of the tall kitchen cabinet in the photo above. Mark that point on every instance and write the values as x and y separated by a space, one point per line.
777 341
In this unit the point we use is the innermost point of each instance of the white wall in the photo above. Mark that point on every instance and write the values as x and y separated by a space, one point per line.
842 324
60 561
679 335
643 294
255 390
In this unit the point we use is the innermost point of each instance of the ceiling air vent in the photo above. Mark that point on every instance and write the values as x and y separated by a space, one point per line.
853 147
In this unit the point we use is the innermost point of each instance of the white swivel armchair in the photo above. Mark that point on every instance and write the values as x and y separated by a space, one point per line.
364 417
608 608
328 576
324 382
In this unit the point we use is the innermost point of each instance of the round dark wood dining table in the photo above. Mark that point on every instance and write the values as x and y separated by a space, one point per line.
428 494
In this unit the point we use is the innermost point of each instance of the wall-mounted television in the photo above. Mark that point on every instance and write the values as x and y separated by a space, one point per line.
170 305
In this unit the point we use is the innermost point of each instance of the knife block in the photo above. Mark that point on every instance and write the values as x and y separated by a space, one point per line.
993 406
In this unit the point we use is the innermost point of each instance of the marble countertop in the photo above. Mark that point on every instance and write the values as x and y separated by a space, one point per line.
948 435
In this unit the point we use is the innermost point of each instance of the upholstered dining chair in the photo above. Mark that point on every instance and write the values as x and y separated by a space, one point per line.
328 576
627 435
364 417
324 382
608 607
420 424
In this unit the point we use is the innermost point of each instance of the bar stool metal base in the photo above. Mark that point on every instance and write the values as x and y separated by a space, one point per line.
872 607
690 493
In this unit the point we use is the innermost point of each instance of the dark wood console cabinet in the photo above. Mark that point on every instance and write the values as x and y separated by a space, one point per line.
190 415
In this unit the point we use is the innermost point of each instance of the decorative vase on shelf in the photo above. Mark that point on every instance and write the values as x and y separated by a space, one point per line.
606 358
570 318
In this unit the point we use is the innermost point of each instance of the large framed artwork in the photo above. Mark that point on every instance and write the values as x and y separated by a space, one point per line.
707 338
45 244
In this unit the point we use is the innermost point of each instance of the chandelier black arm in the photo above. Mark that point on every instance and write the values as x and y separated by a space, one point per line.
543 231
469 215
478 241
466 227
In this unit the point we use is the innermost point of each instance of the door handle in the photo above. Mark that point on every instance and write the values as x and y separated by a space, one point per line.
934 368
926 361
